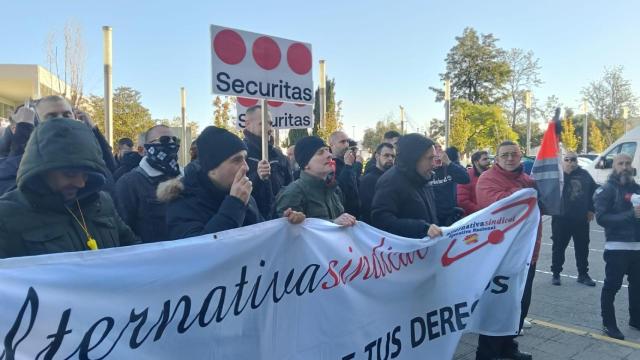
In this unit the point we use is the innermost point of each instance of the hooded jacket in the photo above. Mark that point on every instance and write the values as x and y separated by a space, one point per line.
197 207
403 203
9 166
35 220
129 161
497 183
367 190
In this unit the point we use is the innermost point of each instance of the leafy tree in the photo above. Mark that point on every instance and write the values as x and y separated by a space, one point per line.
476 68
373 137
477 126
524 75
222 110
333 117
296 134
436 130
596 140
568 136
607 96
130 117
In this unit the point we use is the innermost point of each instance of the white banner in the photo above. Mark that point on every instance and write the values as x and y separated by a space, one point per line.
275 291
283 115
247 64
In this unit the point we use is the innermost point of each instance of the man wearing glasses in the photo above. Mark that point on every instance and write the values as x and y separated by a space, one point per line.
501 180
136 190
577 212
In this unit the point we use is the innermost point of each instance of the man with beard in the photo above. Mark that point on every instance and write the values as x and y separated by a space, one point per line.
345 159
467 192
136 190
390 137
268 177
577 213
403 203
384 157
620 219
58 205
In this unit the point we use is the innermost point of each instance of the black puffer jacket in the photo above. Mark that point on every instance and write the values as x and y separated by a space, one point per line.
615 213
197 207
129 161
348 182
367 190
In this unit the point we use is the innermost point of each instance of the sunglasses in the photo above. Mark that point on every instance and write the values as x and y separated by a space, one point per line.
164 140
571 159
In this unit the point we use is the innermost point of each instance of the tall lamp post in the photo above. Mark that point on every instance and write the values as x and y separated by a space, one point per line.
447 109
527 104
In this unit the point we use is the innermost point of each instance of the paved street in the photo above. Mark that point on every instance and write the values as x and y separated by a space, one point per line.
567 323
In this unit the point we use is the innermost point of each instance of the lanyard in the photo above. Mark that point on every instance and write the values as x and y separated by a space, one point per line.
91 242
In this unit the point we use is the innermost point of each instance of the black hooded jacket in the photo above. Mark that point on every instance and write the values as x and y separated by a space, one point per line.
403 203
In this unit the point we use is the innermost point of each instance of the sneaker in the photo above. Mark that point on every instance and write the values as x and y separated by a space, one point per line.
526 324
613 332
586 280
555 280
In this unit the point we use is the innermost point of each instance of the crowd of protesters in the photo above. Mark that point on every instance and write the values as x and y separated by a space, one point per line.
65 190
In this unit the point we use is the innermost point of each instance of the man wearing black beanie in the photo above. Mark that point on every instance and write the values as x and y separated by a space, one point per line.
403 203
315 193
217 196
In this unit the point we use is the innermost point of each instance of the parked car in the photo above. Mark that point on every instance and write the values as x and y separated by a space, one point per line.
600 168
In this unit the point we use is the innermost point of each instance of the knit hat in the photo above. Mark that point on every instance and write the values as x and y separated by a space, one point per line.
305 148
215 145
411 147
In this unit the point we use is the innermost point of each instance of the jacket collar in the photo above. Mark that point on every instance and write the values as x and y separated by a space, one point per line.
509 174
254 141
316 183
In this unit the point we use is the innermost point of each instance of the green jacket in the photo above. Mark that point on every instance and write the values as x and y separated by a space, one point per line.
34 220
311 196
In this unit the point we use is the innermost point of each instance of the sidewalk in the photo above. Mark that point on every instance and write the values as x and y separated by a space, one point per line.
547 342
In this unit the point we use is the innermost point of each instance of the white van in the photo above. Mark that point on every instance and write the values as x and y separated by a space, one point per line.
600 168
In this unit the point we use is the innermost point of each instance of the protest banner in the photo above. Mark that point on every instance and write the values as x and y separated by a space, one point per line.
275 291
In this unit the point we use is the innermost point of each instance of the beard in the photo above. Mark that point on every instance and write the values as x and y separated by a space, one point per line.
623 177
387 166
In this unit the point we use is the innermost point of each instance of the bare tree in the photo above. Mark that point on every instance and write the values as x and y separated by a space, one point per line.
70 82
525 72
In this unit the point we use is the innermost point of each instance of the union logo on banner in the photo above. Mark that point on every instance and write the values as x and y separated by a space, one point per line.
247 64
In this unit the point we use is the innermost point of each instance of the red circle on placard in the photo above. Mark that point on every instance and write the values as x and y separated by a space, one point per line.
246 102
496 236
266 53
229 47
299 58
274 103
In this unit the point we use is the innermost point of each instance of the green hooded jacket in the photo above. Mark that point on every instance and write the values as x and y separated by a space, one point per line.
311 196
34 220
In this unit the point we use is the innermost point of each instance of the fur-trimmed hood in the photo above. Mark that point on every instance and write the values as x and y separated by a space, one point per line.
170 190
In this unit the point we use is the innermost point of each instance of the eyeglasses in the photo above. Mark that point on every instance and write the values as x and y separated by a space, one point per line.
513 155
164 140
571 159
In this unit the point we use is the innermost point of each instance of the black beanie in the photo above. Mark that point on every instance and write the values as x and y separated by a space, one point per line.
411 147
305 148
215 145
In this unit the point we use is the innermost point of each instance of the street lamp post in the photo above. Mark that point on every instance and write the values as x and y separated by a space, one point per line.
527 104
585 131
447 109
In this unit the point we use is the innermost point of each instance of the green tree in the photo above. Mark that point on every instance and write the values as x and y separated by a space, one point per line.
476 68
333 121
222 110
436 129
596 140
130 117
606 97
295 135
568 136
477 126
373 137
